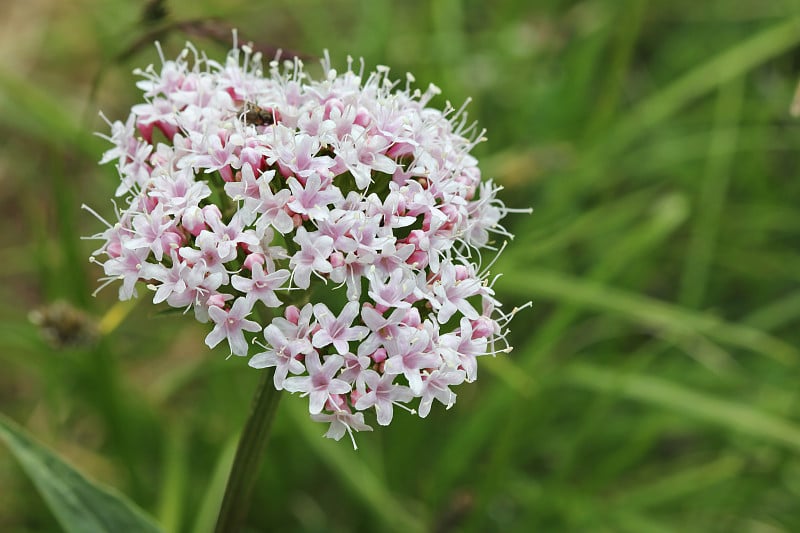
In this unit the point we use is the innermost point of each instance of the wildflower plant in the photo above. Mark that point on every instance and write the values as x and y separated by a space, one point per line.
250 198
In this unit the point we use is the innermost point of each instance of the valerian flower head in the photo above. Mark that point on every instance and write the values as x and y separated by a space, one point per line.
245 193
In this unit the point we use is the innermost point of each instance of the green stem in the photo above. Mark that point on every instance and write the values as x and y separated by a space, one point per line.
249 455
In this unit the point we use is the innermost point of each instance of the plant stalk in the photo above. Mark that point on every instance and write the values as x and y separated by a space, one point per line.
249 456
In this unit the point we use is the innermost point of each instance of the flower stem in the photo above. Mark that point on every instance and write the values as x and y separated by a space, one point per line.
249 455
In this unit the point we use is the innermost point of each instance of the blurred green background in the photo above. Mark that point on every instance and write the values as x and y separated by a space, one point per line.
654 384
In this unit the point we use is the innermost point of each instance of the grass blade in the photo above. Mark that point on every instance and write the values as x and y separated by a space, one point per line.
739 417
649 312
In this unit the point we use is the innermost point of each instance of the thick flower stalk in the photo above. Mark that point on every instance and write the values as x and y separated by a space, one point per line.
243 191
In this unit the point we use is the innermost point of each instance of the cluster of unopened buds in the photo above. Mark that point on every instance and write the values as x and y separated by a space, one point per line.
248 195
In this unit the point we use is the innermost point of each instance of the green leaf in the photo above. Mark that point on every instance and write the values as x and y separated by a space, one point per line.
80 505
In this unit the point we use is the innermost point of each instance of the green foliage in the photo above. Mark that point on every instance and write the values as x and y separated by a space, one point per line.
80 505
654 382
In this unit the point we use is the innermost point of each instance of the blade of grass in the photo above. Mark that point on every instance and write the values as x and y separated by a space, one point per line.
212 497
175 474
720 69
69 269
779 313
709 204
527 282
547 238
681 484
727 65
581 512
666 216
687 145
625 31
739 417
28 108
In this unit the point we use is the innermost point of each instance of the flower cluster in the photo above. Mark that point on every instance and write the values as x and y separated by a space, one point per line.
245 193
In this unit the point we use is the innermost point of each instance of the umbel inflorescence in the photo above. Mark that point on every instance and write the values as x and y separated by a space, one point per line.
247 195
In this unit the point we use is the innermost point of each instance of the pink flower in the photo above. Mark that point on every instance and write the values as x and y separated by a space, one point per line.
320 384
297 327
341 422
230 325
436 386
128 268
313 198
315 249
337 331
279 353
392 292
450 294
409 355
260 285
382 330
383 394
173 279
154 231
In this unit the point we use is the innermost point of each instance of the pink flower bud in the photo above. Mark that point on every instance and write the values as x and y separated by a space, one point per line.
426 222
330 105
235 95
292 314
462 272
193 220
172 240
419 239
452 214
217 300
169 130
379 356
483 327
336 259
418 259
227 173
336 402
285 171
363 118
212 212
146 130
149 203
412 318
400 149
252 259
354 396
470 193
252 158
